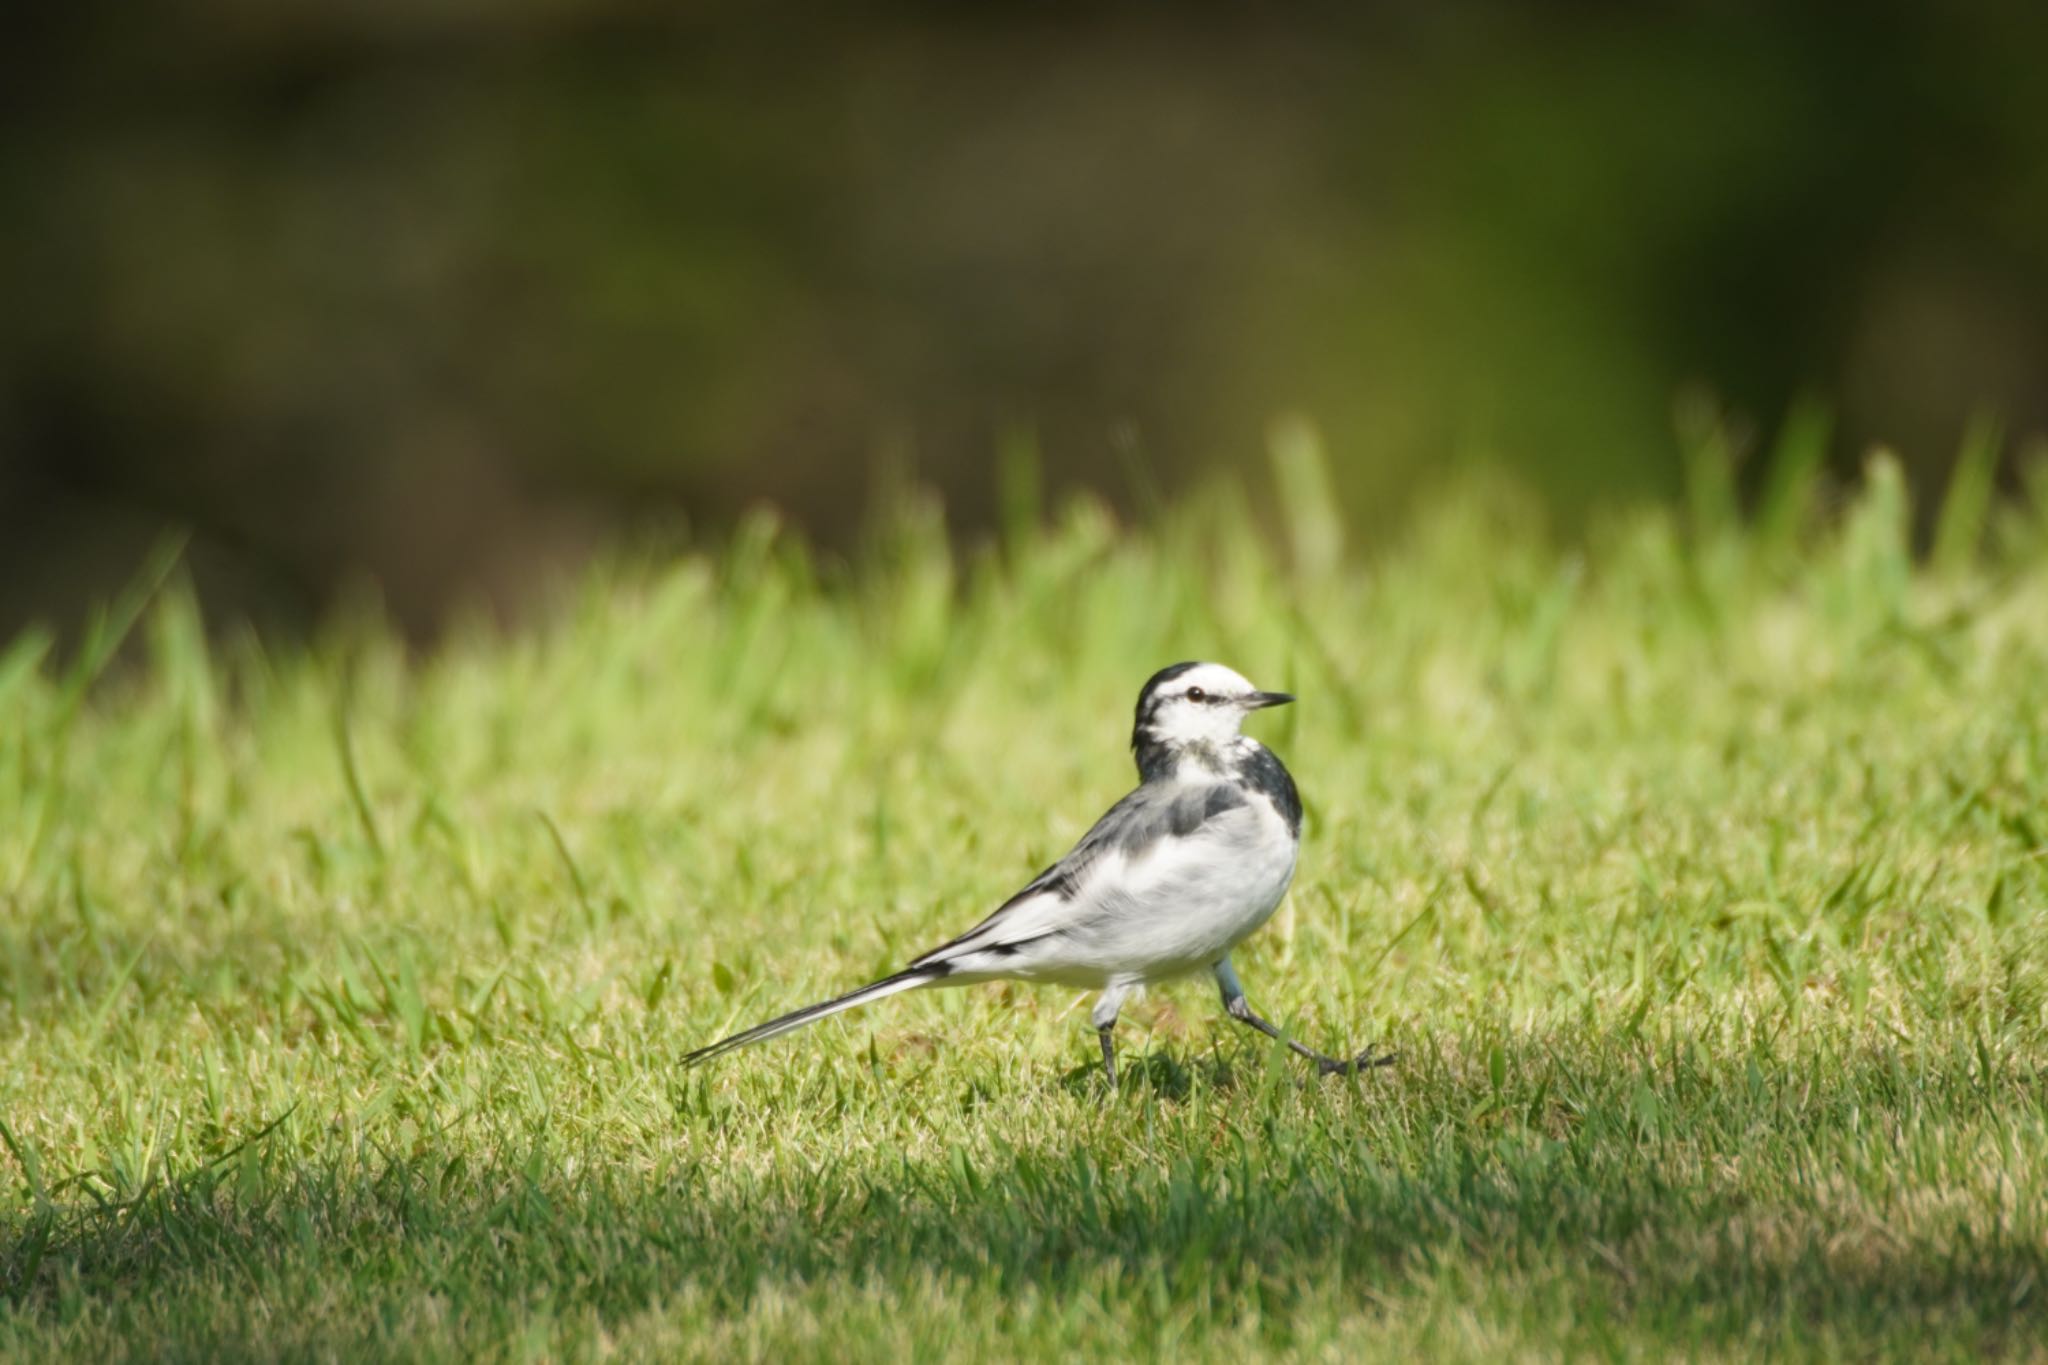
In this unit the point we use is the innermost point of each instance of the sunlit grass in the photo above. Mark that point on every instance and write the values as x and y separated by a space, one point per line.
1697 872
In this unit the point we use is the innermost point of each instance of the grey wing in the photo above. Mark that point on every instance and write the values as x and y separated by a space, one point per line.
1065 895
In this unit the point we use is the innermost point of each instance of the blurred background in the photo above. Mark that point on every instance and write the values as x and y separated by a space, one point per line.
441 294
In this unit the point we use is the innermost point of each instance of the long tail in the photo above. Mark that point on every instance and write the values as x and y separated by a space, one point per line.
907 980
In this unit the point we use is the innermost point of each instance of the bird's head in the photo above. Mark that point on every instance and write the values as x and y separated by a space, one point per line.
1193 706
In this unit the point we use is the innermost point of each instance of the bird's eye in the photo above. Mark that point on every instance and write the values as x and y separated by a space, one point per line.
1197 694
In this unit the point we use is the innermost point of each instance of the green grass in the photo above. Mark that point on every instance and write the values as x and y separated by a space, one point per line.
1698 871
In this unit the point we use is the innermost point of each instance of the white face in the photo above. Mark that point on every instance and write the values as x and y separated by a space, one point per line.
1205 705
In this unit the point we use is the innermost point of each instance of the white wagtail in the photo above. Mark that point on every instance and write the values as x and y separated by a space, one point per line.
1167 883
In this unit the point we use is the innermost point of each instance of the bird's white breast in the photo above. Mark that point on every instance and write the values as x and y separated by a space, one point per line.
1181 904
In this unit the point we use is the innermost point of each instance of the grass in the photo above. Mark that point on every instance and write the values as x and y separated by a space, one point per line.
1699 871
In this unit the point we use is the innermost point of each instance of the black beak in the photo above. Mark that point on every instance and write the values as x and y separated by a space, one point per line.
1259 701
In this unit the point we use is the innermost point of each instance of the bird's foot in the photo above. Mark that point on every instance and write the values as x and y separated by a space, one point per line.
1364 1061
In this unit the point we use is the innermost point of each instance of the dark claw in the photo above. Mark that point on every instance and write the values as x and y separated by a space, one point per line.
1364 1061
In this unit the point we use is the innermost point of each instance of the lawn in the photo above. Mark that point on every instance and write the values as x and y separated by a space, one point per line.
1697 867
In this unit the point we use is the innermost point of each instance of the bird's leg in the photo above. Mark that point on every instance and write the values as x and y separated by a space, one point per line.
1107 1006
1240 1009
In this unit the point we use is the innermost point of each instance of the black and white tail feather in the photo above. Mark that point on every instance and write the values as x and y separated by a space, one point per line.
1166 883
909 979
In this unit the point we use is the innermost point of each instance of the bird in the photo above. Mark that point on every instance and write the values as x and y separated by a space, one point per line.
1170 880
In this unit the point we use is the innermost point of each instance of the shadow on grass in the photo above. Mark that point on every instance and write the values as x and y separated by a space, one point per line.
1162 1075
1708 1227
